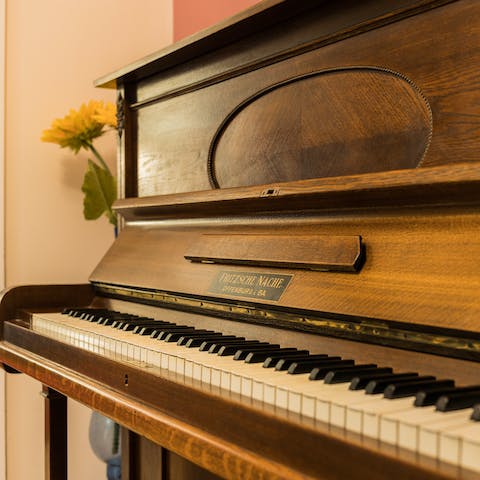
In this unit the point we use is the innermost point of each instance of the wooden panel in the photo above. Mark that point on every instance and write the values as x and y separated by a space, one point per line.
331 123
175 132
332 253
445 185
410 263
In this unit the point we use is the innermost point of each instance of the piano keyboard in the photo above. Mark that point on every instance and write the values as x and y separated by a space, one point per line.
366 399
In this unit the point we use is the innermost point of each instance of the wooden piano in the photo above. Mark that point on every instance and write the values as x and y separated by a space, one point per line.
300 194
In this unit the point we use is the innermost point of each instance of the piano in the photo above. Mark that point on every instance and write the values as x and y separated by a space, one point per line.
294 290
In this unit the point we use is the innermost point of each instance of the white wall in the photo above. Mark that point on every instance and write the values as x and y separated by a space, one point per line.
54 51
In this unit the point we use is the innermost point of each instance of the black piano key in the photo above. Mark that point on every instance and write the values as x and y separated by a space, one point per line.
353 369
410 388
476 413
125 321
308 366
106 320
345 375
162 332
149 329
184 339
360 382
199 341
175 336
217 346
213 346
430 397
457 401
169 331
94 317
319 373
78 312
380 384
109 318
128 325
260 355
133 323
272 360
285 363
146 328
231 349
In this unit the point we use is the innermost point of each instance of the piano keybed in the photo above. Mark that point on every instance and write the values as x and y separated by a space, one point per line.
451 436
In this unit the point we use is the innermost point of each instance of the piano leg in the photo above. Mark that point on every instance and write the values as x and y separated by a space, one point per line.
142 458
55 434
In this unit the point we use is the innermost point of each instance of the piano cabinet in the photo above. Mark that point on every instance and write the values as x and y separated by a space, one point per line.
305 177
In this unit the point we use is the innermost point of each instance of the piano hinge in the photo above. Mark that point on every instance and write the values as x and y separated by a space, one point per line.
120 114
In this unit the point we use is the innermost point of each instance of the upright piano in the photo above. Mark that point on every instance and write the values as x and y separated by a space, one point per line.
294 291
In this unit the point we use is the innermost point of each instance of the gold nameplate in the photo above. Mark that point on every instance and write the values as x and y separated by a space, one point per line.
264 286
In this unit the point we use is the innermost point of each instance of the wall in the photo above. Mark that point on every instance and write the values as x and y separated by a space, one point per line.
190 16
2 223
54 50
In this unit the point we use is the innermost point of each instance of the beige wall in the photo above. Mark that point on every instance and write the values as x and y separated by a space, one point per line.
54 50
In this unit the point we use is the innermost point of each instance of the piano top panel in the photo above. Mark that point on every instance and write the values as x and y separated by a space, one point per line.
278 89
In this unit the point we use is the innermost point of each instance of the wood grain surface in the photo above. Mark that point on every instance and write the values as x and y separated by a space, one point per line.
174 115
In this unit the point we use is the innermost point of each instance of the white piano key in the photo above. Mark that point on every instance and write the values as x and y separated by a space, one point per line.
406 423
165 361
197 371
294 402
235 383
308 406
470 451
269 394
322 410
429 434
247 385
257 390
189 368
453 440
206 374
281 398
225 380
180 366
215 377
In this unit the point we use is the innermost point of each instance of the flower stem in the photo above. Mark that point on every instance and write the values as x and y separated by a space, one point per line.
99 158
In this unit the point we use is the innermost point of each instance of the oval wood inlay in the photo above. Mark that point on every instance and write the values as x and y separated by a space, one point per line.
330 123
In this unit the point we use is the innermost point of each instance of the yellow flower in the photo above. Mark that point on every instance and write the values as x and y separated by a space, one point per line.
78 129
107 114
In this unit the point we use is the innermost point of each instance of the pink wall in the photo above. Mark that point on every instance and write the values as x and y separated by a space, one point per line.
190 16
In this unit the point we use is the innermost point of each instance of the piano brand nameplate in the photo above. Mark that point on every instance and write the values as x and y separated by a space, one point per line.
266 286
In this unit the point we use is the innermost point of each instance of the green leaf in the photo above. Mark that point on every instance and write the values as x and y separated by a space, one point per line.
100 189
